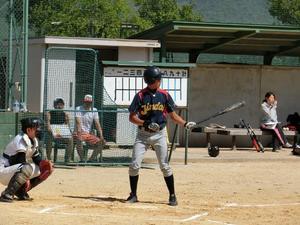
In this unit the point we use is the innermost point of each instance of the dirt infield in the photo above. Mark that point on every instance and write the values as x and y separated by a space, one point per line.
238 187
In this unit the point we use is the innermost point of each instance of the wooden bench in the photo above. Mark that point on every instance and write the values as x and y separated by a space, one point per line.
234 132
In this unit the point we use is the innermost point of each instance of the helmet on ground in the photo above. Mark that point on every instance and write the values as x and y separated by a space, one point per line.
213 151
151 74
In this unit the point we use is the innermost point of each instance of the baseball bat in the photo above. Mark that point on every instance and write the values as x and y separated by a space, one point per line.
226 110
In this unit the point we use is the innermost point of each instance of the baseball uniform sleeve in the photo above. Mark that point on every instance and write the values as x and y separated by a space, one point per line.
170 105
135 104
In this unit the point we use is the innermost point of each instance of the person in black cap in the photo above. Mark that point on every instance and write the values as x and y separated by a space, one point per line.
59 118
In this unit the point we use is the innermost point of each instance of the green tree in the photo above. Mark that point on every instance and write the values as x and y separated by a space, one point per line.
154 12
287 11
80 18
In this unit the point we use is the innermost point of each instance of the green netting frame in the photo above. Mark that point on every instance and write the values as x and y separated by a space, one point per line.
70 74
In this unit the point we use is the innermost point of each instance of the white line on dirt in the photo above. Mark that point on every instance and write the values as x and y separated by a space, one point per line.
220 222
197 216
49 209
260 205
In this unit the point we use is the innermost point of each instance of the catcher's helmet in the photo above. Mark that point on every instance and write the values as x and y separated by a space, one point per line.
151 74
31 123
213 151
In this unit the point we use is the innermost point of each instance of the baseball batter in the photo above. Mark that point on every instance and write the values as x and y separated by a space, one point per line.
148 110
21 166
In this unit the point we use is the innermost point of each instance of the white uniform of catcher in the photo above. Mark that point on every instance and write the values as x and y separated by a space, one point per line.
21 166
21 143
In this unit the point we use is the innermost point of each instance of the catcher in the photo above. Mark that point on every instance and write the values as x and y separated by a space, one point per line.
21 166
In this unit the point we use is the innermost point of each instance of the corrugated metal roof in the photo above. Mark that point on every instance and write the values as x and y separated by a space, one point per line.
219 38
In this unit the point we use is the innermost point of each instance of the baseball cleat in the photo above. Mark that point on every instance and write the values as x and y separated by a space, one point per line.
132 198
173 200
6 198
24 197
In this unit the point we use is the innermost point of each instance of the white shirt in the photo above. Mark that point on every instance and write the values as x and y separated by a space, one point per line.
21 143
86 118
269 113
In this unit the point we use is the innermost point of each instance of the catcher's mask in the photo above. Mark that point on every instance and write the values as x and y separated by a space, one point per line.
31 123
213 151
151 74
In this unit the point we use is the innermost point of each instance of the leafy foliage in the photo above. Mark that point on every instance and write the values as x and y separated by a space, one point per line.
103 18
94 18
288 11
155 12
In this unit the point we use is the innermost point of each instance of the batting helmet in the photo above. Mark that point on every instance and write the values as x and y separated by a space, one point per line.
151 74
213 151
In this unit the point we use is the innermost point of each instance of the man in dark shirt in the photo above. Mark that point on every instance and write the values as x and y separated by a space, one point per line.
148 111
58 117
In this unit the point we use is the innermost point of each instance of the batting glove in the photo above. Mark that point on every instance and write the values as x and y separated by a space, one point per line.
151 126
154 127
189 125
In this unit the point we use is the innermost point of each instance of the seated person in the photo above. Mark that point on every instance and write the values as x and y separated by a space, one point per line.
85 116
269 120
59 117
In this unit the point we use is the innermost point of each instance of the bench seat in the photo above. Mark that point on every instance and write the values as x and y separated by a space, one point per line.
234 132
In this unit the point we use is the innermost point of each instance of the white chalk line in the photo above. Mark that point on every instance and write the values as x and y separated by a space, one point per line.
235 205
197 216
220 222
49 209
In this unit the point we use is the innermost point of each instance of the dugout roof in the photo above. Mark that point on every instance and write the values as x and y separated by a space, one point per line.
218 38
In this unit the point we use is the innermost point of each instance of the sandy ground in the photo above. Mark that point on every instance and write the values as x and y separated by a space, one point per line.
237 187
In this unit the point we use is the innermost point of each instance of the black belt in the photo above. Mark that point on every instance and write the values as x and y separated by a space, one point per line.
148 130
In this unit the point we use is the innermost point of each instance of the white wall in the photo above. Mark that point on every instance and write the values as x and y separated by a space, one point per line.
135 54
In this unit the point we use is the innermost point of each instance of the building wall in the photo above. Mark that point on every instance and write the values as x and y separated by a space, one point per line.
214 87
135 54
36 68
35 83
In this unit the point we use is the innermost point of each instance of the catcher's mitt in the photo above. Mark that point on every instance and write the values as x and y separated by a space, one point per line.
46 168
213 151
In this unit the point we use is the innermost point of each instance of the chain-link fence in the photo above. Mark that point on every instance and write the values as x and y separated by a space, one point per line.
83 124
13 52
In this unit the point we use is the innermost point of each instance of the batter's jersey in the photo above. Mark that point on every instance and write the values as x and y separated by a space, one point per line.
153 105
22 143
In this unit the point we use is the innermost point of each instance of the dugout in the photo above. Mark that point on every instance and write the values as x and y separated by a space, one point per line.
234 62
